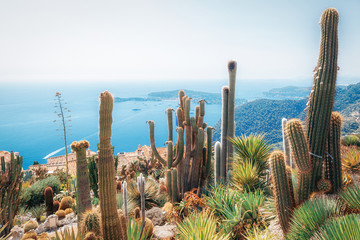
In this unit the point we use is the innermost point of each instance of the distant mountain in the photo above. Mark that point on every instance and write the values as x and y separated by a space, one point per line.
290 92
264 115
210 98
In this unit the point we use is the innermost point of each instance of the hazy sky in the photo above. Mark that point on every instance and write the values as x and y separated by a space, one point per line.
164 39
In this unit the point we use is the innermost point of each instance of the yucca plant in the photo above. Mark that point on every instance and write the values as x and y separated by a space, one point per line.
151 195
310 216
201 226
345 228
351 197
134 231
37 212
245 176
253 148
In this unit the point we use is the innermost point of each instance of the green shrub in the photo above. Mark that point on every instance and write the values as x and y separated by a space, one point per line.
34 195
351 140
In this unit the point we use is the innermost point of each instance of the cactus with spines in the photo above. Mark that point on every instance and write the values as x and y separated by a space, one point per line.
83 201
323 91
324 185
10 179
49 201
286 145
141 188
217 163
188 163
110 221
281 189
334 155
227 123
125 201
91 222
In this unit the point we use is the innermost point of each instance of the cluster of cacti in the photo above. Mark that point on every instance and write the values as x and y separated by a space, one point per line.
83 201
224 150
50 205
189 161
315 153
10 181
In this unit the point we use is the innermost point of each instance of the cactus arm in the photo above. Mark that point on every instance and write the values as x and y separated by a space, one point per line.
179 114
187 111
334 152
169 154
180 147
174 185
224 127
208 150
286 146
193 125
323 91
197 113
170 123
181 98
152 142
281 189
217 162
232 66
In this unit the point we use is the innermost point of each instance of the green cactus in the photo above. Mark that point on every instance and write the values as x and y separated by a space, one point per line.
334 155
49 201
286 144
281 189
192 162
83 201
91 222
11 178
125 200
323 91
111 227
301 157
141 187
217 163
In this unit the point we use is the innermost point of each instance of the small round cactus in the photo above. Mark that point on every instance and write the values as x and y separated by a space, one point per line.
61 214
91 222
66 202
30 235
68 210
30 225
324 185
56 206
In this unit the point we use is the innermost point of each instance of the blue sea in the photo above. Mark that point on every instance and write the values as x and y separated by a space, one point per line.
27 114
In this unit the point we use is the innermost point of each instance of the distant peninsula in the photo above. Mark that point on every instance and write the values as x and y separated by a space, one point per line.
210 98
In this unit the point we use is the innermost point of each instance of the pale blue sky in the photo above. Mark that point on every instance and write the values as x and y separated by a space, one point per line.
177 40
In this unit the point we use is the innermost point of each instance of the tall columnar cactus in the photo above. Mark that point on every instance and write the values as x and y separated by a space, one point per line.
286 145
141 187
322 94
301 157
10 179
83 201
125 201
227 122
111 227
281 189
217 157
334 156
188 165
49 201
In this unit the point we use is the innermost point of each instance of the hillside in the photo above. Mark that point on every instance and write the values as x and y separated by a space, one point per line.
264 115
210 98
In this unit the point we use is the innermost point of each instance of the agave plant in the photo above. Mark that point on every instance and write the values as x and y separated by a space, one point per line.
201 226
310 216
37 212
67 234
260 234
345 228
351 197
